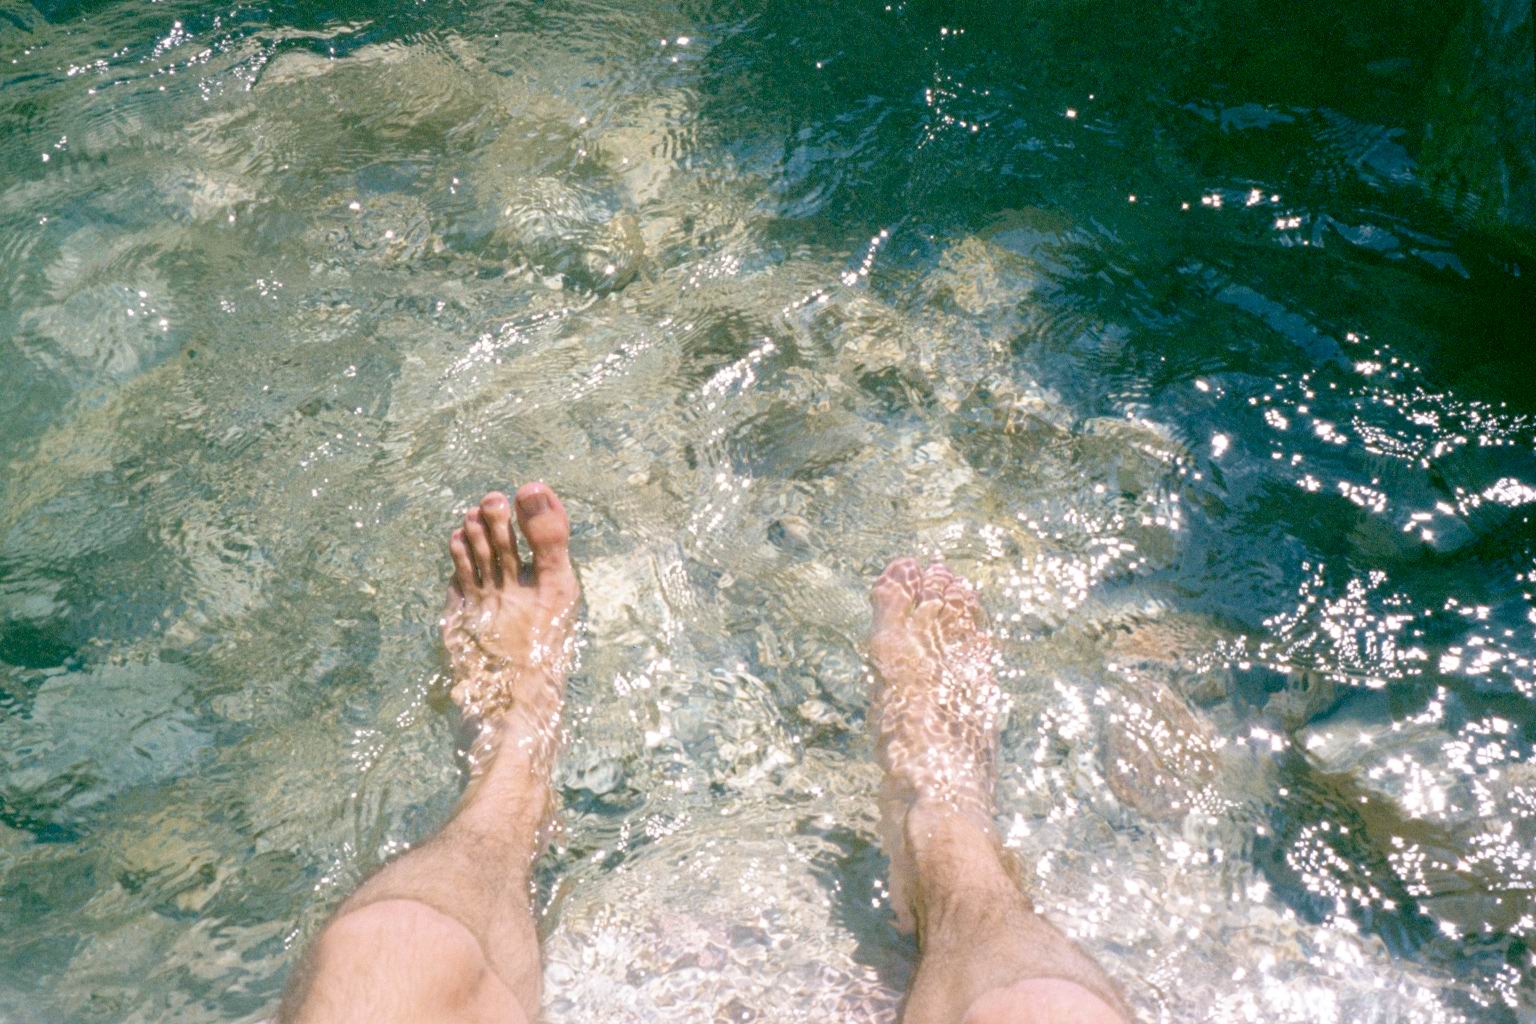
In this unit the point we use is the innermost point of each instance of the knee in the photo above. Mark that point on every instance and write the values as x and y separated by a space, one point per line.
395 952
1042 1001
396 929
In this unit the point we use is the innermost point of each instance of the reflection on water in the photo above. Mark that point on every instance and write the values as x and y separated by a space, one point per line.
1198 374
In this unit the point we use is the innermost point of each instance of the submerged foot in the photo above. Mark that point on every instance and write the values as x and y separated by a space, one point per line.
508 622
935 708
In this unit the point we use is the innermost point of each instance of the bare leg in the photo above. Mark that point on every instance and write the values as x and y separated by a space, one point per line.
446 932
987 957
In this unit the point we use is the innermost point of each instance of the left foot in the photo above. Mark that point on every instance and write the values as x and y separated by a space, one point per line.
508 622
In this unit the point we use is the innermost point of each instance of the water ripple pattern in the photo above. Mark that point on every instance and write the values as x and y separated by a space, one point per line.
1197 337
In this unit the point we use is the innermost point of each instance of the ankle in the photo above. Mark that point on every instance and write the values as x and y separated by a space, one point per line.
510 768
965 884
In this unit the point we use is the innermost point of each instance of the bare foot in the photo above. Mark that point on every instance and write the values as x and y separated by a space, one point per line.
508 622
935 709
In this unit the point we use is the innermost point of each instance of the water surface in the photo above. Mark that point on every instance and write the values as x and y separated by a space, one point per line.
1158 321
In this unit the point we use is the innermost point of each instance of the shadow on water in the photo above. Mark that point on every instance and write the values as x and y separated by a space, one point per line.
855 877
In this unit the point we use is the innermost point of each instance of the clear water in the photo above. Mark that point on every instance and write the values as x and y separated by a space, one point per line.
1149 318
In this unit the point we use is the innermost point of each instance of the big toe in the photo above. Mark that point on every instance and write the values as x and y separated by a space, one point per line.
543 520
895 590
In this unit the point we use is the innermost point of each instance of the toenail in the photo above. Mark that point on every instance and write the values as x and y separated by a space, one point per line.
533 504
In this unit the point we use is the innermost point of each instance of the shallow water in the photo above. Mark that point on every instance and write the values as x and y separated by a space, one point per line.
1153 321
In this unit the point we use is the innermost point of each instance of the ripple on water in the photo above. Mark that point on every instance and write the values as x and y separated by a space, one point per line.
767 317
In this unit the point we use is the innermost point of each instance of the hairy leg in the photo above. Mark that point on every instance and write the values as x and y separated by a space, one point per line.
446 932
986 956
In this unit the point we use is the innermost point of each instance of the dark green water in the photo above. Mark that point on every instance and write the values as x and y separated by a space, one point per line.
1198 334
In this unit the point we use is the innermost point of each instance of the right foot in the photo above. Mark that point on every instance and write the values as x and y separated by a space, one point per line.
508 621
936 710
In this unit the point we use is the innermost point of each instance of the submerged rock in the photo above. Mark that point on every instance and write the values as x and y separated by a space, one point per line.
737 915
981 278
1159 755
1449 814
1480 141
91 735
1187 651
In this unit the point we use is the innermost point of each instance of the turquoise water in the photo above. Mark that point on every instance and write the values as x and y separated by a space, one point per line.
1197 334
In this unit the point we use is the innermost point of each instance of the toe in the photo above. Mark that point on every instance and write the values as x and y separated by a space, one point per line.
453 607
936 579
463 567
496 514
893 593
542 518
480 547
960 597
962 616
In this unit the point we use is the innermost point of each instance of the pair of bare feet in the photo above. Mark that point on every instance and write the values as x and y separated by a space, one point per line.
463 897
